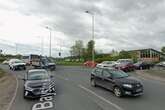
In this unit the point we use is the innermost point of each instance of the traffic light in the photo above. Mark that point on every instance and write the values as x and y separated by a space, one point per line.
59 53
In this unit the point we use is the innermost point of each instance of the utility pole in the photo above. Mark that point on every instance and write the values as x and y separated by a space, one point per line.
93 50
50 40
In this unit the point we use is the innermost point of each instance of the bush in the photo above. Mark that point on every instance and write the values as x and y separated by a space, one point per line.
2 59
99 60
2 73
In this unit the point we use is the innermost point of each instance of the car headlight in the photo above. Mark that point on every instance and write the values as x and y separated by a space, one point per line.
127 85
28 89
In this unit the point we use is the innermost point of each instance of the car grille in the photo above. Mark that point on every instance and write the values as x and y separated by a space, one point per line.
138 85
36 90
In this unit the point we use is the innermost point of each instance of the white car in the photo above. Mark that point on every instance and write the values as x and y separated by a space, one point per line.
106 64
5 62
161 64
15 64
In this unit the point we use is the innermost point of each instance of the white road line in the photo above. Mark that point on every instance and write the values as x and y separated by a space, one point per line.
15 93
100 97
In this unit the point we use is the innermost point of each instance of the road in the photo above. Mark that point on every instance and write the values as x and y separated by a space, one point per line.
75 93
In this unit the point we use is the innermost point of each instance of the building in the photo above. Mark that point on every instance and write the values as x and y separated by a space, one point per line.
149 55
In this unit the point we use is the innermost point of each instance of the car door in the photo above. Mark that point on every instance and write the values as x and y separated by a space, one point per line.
107 79
98 76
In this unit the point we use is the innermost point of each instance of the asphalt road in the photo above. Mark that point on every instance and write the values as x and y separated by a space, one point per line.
75 93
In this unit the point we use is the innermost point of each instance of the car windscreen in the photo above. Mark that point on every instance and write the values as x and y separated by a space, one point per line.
118 73
38 75
18 62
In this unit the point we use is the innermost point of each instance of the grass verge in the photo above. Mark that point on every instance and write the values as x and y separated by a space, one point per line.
70 63
2 73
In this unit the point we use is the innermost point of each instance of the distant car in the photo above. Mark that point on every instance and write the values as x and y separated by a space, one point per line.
117 81
161 64
37 83
5 62
106 64
16 64
142 65
47 63
90 64
125 65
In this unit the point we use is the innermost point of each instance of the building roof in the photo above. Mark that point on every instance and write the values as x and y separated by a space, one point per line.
149 49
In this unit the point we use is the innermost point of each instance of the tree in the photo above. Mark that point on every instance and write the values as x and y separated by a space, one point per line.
90 47
77 49
163 49
124 54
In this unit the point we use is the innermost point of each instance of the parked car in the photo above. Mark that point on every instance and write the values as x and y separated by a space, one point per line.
125 65
37 83
142 65
90 64
106 64
161 64
119 61
117 81
15 64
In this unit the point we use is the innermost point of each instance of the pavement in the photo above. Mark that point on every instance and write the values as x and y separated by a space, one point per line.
75 93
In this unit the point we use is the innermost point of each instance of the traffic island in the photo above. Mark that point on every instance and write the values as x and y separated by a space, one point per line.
7 89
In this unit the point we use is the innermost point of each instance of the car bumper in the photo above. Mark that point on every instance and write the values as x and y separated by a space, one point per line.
32 94
134 92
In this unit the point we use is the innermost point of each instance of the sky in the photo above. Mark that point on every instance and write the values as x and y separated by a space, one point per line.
119 25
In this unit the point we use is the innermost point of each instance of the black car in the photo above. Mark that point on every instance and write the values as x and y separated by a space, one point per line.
142 65
38 83
117 81
46 63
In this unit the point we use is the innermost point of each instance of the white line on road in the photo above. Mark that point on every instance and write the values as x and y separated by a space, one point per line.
100 97
15 93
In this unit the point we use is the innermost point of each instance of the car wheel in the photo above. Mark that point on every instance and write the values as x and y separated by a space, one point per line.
93 83
24 96
13 68
117 92
24 68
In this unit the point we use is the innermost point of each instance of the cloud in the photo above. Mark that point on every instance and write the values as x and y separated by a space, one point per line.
119 24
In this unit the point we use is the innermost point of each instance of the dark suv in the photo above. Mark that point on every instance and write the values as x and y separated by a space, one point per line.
117 81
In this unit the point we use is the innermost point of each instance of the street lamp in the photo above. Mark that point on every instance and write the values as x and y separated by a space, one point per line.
50 42
93 50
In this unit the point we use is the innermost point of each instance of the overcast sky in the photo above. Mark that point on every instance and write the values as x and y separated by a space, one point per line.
119 24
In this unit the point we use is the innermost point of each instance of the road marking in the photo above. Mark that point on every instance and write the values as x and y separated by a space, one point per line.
63 78
100 97
15 93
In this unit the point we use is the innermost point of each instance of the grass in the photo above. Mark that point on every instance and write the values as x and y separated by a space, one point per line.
2 73
67 63
159 73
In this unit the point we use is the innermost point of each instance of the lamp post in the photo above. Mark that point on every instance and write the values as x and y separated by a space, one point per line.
50 40
93 50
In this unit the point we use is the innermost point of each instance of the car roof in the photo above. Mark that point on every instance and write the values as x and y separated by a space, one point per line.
36 70
110 68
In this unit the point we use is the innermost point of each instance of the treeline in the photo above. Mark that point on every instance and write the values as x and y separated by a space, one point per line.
79 52
8 56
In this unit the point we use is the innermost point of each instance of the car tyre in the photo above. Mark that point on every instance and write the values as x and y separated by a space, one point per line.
13 68
117 91
24 95
24 68
93 83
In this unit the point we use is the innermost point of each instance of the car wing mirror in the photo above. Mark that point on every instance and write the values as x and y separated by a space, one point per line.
51 76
